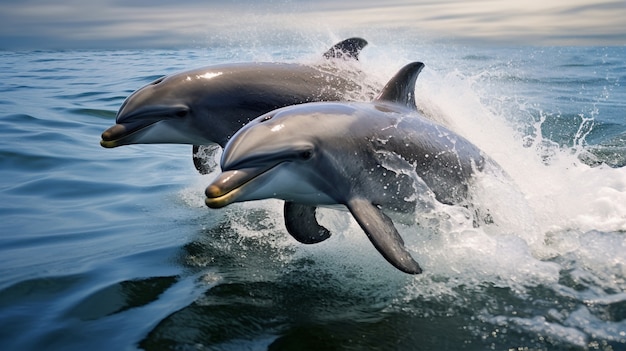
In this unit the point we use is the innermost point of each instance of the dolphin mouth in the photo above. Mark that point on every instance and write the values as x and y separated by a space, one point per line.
231 185
122 134
137 122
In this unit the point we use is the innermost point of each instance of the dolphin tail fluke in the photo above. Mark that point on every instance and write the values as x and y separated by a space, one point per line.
382 233
401 88
347 49
302 225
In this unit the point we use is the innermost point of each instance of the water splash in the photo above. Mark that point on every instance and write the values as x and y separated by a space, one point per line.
550 261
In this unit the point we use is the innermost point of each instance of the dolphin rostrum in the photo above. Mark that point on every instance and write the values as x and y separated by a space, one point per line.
373 158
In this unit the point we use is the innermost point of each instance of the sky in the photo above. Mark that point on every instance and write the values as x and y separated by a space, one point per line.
119 24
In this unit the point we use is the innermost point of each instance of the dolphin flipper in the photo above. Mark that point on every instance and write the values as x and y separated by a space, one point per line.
382 233
204 158
349 49
302 225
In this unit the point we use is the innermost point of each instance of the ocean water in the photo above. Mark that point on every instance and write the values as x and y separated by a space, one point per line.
113 249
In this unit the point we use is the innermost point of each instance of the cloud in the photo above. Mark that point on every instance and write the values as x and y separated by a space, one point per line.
105 23
530 22
185 23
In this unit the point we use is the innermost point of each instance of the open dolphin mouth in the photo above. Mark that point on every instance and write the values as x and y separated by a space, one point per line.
232 185
122 134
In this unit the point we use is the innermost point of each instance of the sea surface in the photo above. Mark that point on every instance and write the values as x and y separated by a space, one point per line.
114 249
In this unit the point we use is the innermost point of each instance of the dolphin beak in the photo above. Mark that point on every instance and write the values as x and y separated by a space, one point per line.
125 134
111 136
230 186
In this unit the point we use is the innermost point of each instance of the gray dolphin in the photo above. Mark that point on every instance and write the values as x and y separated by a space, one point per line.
207 105
373 158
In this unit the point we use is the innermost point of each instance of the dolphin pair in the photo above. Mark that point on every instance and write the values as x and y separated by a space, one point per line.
373 158
206 106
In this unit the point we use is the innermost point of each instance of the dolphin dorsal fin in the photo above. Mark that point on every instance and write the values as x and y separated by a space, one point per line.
347 49
401 88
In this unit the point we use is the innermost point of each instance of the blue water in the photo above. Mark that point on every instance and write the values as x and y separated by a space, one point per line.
113 249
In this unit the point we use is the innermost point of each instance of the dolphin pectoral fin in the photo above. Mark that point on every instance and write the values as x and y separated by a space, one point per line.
204 158
349 49
302 225
382 233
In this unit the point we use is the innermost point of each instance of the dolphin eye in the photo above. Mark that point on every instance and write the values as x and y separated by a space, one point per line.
181 113
158 81
266 118
305 155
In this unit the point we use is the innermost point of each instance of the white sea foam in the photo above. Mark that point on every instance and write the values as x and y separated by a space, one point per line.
552 218
539 198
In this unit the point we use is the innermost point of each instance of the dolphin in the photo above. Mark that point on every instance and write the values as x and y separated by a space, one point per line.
206 106
375 159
